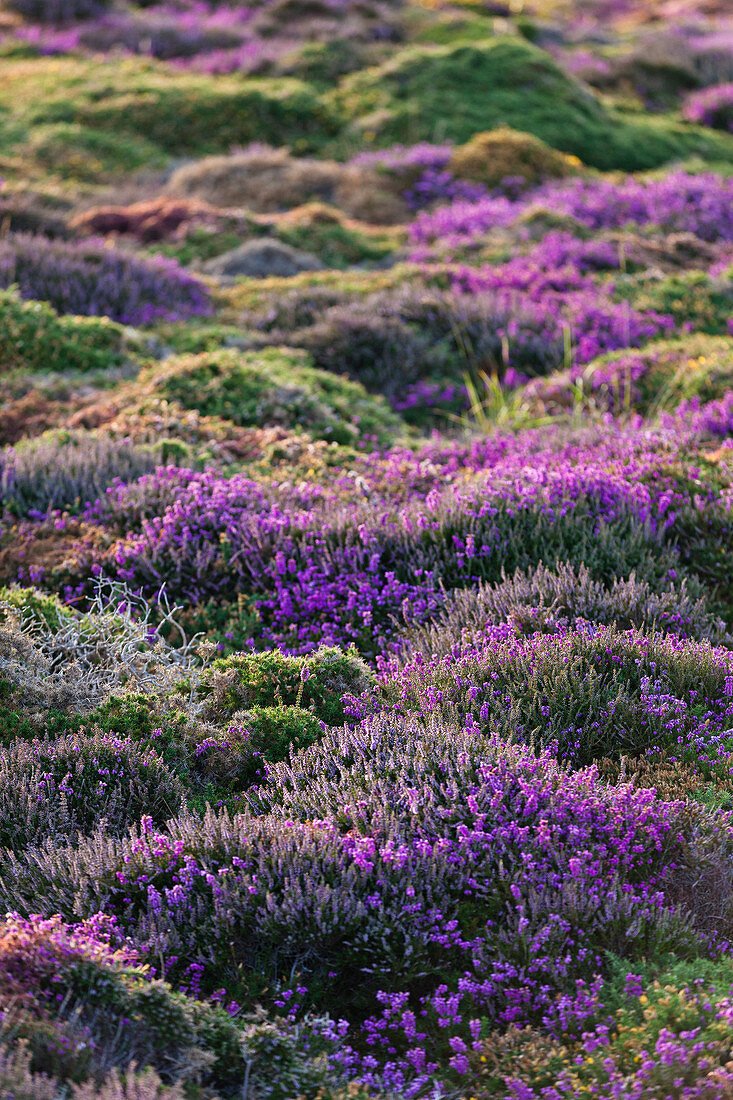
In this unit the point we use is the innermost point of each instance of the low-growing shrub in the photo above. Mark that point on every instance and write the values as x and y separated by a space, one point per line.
33 337
77 997
551 599
693 298
275 386
589 692
193 114
59 11
65 470
53 658
711 107
496 155
267 180
338 242
467 88
317 682
68 786
657 1032
91 279
397 883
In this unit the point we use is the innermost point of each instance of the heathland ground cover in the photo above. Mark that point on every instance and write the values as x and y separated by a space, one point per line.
366 550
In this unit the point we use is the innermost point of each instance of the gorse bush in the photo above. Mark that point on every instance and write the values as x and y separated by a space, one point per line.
91 279
317 682
270 734
496 155
191 114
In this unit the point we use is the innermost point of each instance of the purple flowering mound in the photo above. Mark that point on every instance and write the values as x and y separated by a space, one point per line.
91 279
711 107
59 11
496 902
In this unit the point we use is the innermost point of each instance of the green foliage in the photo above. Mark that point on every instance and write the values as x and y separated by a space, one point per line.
318 682
199 244
691 297
671 1006
429 93
168 1024
76 152
337 244
34 337
272 732
32 606
276 386
195 114
322 63
492 156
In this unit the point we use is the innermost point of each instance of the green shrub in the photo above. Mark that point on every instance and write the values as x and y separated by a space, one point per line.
275 386
324 232
272 732
322 63
424 93
32 606
34 337
82 1004
692 298
318 682
669 1035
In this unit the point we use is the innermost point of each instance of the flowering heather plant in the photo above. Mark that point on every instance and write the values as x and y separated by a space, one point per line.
90 278
699 204
71 785
590 692
59 11
438 185
711 107
667 1038
399 159
353 561
457 884
61 471
552 599
81 986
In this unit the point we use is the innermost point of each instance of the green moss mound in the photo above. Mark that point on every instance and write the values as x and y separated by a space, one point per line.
276 386
34 337
427 93
491 156
195 114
